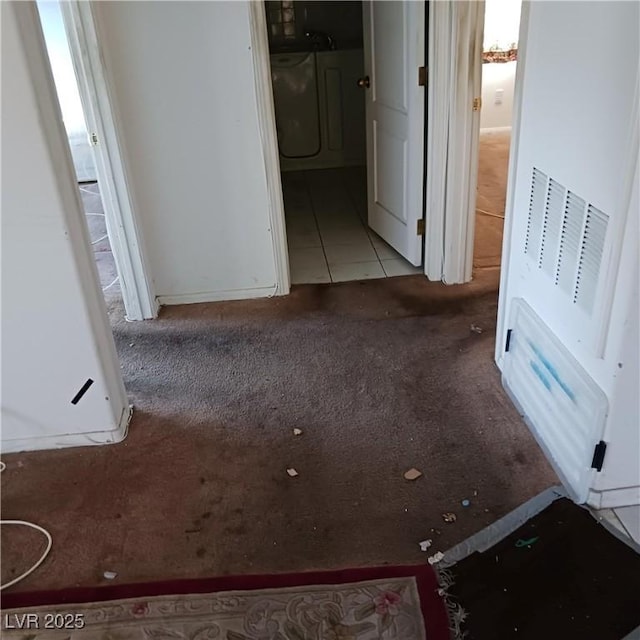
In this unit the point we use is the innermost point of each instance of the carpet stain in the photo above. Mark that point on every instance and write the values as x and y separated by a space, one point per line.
379 376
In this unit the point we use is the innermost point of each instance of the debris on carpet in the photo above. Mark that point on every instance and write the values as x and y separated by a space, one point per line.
412 474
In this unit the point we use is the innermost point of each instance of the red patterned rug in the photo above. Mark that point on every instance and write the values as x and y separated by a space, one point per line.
394 603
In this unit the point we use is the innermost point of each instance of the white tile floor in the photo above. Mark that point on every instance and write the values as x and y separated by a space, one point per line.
625 519
328 237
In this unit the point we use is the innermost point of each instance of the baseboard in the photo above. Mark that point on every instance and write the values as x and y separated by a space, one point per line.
218 296
495 130
624 497
67 440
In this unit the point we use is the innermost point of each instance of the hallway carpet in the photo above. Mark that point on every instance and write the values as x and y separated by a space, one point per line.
380 376
493 167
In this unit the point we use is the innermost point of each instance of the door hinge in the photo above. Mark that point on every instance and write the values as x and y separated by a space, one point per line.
422 76
507 344
598 455
420 227
477 104
94 138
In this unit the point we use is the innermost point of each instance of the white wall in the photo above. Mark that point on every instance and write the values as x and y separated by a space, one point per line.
182 81
590 147
67 89
497 76
501 29
54 329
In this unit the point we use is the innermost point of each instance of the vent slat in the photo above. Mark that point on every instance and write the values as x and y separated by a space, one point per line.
590 260
572 225
536 213
565 238
551 227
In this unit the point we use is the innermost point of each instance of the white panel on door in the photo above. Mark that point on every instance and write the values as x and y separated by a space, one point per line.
389 61
564 407
390 154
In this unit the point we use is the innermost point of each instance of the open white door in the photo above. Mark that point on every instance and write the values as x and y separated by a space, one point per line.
561 334
394 51
453 129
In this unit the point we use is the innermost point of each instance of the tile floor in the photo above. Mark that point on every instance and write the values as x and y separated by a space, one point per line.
625 519
329 240
99 240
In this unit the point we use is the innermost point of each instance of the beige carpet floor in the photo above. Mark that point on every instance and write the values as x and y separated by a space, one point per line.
380 376
492 187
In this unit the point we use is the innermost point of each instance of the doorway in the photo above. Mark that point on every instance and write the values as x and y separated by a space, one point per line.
499 60
327 156
82 153
75 60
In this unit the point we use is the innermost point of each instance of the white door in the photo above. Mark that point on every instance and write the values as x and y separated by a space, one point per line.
394 49
562 300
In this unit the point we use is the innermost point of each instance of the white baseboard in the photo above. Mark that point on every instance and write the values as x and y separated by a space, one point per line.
219 296
495 130
625 497
66 440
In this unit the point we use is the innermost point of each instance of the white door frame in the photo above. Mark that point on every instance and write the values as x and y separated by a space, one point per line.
438 217
123 230
507 231
268 135
453 125
269 139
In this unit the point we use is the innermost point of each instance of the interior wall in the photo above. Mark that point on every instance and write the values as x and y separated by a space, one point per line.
340 19
55 335
181 78
498 82
501 31
590 148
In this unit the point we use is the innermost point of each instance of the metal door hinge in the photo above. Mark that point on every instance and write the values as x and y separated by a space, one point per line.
477 104
598 455
422 76
420 227
94 138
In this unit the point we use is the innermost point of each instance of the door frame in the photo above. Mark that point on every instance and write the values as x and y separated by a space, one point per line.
268 136
123 230
258 33
448 241
453 125
507 229
438 217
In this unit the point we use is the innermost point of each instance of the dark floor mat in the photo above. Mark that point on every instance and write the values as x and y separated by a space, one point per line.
573 579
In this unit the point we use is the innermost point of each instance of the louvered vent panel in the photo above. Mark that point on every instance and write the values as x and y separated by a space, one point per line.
570 234
591 249
551 227
536 214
